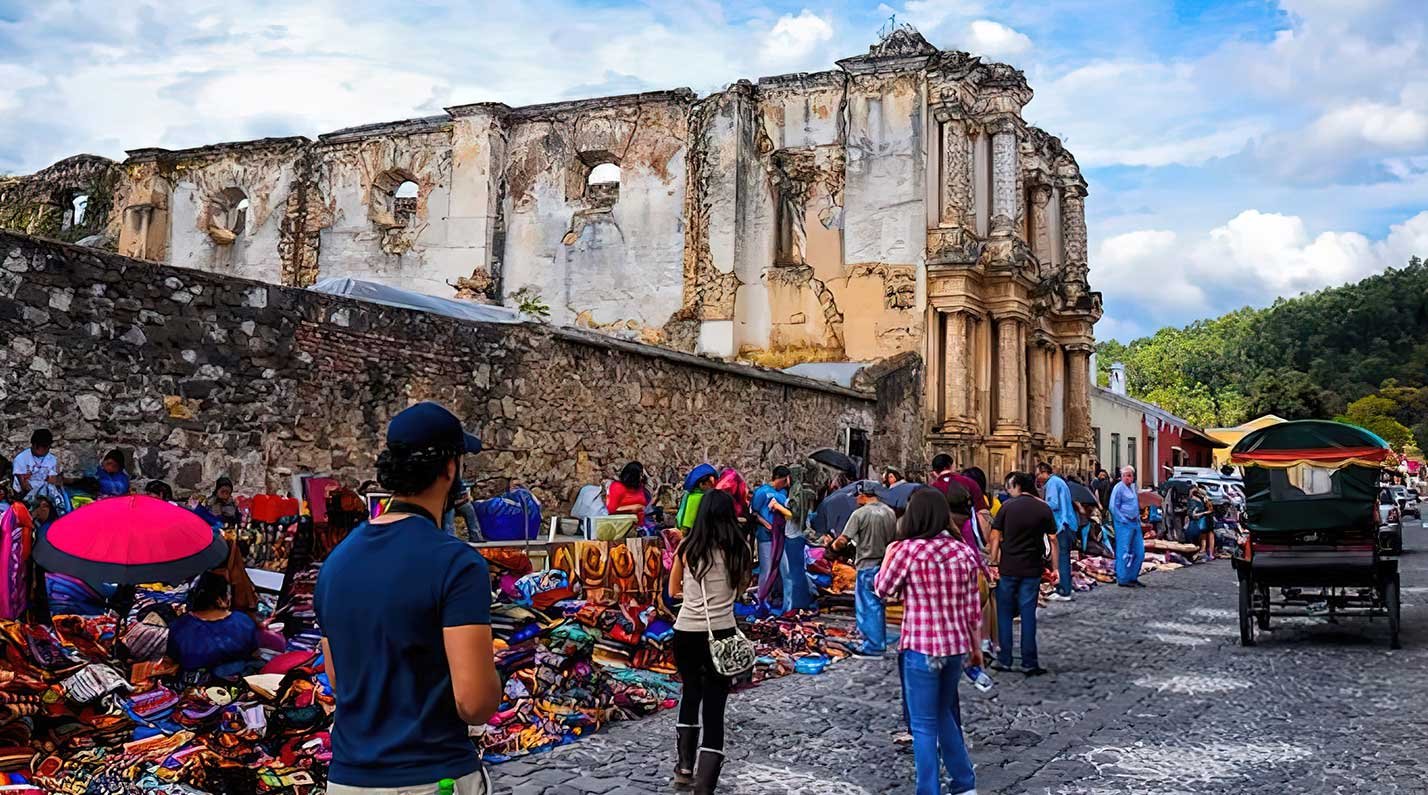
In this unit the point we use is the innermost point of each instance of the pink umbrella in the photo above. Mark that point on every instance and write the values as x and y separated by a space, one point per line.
131 540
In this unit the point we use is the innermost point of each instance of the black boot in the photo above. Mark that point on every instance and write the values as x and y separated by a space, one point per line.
686 745
706 773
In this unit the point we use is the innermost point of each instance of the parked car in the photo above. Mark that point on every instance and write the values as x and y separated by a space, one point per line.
1407 502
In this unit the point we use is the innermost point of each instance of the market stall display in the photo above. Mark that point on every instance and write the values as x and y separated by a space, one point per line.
90 706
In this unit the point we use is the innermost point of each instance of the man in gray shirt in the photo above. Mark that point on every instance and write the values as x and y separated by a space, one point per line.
871 528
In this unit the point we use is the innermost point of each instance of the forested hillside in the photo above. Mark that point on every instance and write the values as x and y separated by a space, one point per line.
1357 352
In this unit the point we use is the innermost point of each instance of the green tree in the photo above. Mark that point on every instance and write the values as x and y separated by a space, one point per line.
1375 413
1310 356
1290 394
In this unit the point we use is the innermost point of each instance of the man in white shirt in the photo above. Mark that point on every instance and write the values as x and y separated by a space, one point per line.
36 466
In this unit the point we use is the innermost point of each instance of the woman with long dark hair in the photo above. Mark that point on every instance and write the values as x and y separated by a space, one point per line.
935 574
710 569
628 493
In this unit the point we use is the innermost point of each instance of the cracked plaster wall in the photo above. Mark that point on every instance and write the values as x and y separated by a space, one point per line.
615 266
362 240
265 178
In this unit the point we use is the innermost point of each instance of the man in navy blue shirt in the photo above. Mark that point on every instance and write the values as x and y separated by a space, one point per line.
406 614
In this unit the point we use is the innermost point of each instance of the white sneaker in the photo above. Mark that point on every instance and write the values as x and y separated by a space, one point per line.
1056 597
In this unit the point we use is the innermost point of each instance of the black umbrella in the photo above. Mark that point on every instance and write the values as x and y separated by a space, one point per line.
1083 495
835 459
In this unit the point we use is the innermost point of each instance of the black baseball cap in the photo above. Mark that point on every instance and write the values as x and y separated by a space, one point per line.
428 425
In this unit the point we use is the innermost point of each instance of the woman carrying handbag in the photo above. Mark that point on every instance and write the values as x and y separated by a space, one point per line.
709 569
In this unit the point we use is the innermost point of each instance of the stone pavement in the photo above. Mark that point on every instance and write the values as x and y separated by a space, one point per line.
1150 692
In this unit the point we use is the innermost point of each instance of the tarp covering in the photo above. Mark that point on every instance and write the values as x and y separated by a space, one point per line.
1285 500
1318 443
409 299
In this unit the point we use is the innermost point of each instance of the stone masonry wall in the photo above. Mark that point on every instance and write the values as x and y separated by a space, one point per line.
198 375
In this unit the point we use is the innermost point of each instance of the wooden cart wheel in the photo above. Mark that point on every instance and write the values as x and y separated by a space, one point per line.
1263 618
1390 601
1246 614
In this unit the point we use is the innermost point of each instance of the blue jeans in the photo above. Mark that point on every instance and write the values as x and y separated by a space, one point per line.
1064 538
929 687
794 572
1017 594
468 512
1130 552
872 619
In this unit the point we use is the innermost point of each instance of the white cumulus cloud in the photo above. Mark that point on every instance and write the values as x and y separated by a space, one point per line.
1153 277
794 38
995 40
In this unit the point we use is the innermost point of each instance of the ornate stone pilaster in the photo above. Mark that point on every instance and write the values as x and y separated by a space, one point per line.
1011 367
1073 232
1006 178
957 208
1078 396
1039 390
957 370
952 233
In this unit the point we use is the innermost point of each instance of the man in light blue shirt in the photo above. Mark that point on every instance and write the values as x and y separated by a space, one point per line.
770 509
1130 545
1058 495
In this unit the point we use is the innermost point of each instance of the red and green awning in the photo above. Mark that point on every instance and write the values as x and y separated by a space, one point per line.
1313 442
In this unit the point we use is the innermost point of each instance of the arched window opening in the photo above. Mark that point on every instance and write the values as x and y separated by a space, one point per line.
603 174
394 199
404 202
602 186
231 210
228 215
74 211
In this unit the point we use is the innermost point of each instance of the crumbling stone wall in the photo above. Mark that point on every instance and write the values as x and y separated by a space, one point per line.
811 216
604 255
198 375
43 203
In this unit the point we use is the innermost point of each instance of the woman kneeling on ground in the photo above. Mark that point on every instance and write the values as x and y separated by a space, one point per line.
935 574
709 569
211 636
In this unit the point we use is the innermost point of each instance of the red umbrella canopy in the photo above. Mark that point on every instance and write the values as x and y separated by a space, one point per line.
130 540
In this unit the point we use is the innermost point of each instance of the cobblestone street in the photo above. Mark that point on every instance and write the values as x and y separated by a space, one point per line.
1150 692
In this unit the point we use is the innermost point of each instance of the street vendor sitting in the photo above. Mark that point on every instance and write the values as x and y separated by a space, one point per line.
211 636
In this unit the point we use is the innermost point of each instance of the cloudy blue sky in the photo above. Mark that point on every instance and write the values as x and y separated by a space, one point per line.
1237 150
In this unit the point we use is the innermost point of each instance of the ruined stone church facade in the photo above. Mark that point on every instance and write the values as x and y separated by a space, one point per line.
896 204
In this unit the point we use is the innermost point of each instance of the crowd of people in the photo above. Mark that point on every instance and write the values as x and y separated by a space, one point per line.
410 672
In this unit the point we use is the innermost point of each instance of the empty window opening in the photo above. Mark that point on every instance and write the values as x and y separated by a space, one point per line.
604 173
74 211
404 202
602 186
230 211
394 200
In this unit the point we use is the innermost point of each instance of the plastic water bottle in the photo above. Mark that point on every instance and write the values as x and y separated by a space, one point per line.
446 786
979 678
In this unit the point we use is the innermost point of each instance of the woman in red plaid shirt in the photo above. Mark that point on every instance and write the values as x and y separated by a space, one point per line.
934 572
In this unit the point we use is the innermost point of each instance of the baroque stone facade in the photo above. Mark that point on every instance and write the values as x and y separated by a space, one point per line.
897 204
198 375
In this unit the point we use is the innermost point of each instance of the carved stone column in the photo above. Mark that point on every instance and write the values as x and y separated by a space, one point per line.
1011 365
1038 390
1073 232
1078 395
956 367
1006 177
957 205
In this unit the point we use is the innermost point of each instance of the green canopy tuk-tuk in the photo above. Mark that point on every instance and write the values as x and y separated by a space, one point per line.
1311 526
